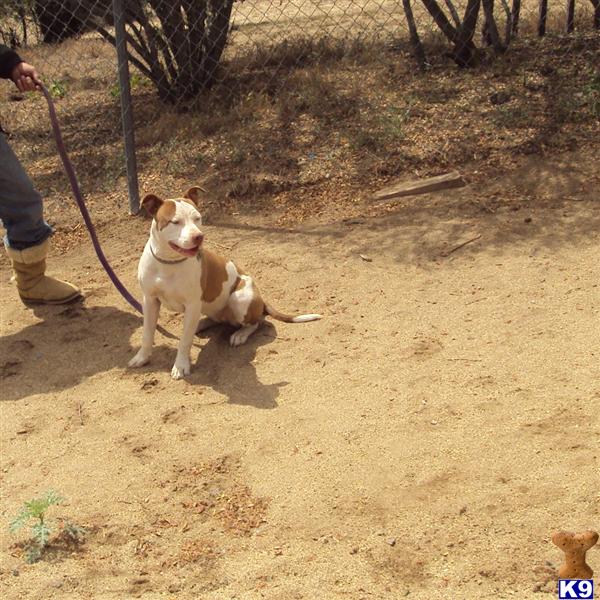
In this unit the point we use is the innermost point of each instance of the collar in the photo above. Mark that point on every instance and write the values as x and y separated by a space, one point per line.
174 262
167 262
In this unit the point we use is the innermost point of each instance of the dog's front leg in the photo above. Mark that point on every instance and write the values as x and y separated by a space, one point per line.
151 307
191 318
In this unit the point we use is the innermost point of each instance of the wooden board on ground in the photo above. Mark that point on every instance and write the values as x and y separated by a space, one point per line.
420 186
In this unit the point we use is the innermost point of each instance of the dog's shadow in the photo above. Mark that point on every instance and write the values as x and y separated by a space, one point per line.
230 371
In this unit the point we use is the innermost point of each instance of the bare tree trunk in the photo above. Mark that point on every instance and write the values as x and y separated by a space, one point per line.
570 15
171 18
508 27
414 35
441 20
491 28
156 44
515 14
57 20
542 17
148 48
464 49
486 37
196 17
596 4
220 14
453 12
134 59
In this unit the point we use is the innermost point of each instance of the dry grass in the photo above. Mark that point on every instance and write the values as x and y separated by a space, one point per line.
308 127
358 119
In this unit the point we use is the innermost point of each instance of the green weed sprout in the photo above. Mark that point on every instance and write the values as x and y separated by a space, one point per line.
40 530
57 88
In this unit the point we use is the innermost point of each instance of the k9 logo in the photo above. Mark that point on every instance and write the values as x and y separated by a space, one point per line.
575 588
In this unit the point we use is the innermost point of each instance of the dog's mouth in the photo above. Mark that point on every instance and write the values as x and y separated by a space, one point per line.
191 251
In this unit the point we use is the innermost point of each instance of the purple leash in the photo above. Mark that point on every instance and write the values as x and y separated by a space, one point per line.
81 204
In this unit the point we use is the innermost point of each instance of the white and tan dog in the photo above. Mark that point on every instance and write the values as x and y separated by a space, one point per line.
175 270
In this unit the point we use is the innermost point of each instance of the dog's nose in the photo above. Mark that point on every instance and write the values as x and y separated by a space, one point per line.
198 238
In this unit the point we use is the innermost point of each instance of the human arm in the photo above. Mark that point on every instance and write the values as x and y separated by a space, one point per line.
9 59
13 67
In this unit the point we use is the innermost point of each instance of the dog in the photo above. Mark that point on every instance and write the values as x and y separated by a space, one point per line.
176 270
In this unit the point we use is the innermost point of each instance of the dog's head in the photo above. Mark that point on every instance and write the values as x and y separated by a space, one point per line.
177 221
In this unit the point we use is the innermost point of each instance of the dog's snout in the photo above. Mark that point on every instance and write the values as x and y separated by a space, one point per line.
198 238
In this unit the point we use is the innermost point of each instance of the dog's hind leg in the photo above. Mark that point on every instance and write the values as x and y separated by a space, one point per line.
205 323
247 310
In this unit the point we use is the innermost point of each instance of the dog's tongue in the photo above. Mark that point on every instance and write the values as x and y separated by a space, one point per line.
185 251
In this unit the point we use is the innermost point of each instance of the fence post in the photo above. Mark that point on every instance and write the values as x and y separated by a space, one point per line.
126 106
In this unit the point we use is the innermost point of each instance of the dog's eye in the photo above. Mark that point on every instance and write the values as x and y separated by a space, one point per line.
175 221
197 218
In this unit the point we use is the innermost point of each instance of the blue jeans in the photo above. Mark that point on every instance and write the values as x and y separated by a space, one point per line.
21 209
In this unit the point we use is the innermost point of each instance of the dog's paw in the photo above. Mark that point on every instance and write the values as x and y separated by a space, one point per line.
238 338
241 336
180 370
139 360
204 324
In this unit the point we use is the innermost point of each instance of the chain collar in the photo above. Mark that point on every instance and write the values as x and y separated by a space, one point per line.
167 262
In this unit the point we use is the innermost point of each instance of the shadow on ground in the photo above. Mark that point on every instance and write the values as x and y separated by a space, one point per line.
231 371
69 345
429 229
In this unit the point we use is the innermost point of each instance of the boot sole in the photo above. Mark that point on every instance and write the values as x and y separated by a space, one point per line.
67 300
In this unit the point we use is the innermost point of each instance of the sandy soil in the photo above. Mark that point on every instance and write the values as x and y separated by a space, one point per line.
423 440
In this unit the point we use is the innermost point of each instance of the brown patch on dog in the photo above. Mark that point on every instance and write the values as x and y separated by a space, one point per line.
152 203
226 316
194 194
256 310
276 314
165 213
214 275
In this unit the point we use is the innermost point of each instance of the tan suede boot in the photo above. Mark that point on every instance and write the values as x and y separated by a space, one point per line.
33 285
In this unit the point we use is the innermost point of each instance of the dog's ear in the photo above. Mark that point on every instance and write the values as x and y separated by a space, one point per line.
152 203
193 194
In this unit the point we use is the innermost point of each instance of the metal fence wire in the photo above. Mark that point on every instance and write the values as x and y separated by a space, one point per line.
181 49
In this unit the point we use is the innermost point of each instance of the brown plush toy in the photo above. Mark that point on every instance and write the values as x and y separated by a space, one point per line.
575 545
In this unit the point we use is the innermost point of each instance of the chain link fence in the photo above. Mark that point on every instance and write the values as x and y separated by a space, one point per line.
155 54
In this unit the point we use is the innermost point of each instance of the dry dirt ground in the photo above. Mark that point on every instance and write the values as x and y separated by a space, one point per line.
423 439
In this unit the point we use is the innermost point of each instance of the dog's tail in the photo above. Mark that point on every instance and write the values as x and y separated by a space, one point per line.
272 312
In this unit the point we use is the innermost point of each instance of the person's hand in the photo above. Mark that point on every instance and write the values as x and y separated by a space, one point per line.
25 77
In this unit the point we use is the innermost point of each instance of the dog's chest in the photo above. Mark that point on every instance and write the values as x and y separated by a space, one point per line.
175 285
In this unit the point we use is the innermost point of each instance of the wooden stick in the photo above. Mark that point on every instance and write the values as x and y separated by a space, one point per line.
422 186
461 246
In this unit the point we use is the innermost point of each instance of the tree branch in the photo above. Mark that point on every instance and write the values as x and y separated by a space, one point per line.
453 12
414 35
